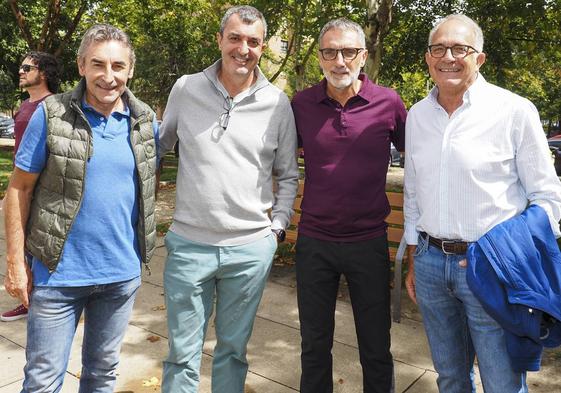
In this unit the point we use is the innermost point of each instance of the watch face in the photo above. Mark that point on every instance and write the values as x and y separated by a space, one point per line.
281 234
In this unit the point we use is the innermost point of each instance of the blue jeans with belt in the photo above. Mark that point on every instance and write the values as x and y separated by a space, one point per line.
195 275
54 313
458 328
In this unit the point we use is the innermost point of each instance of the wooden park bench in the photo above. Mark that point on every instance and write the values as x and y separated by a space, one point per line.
396 240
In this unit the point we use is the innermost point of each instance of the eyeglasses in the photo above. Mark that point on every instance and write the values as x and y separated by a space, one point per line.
224 118
458 51
347 53
27 67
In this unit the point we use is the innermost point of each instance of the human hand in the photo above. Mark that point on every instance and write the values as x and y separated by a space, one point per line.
18 282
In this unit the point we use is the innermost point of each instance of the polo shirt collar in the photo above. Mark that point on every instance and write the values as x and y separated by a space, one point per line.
366 91
124 112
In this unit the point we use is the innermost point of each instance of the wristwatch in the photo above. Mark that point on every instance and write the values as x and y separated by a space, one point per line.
281 234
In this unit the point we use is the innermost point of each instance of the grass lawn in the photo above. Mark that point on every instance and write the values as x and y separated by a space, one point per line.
5 168
169 170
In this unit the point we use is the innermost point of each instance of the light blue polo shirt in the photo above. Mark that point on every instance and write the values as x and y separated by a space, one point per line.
102 245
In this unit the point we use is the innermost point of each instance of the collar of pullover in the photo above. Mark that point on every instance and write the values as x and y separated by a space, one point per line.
211 73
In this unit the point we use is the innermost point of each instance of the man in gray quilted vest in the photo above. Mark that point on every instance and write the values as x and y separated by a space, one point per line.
81 201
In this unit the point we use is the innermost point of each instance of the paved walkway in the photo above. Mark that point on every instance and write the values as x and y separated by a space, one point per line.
273 350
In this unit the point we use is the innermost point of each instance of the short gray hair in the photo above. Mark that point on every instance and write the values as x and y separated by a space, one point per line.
466 20
101 33
248 14
343 24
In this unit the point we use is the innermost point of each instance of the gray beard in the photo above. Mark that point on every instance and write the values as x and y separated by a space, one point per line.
338 83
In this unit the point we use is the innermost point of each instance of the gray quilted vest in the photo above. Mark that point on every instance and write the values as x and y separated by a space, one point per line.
58 192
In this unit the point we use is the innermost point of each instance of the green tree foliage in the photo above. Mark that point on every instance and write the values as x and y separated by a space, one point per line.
7 92
171 38
12 47
52 26
176 37
403 63
522 43
299 22
49 26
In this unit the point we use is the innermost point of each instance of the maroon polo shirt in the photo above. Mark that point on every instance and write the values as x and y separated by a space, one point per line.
346 153
21 118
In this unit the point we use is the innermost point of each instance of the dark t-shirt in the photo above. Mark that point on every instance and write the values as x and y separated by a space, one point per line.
347 151
21 118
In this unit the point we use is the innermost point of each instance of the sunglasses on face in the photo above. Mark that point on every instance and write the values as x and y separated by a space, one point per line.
27 67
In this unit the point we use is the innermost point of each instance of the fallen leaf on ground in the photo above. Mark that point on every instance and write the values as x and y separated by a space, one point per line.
151 382
248 389
159 308
153 338
341 381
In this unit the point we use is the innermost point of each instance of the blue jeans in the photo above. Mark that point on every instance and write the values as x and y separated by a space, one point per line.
193 274
458 328
54 313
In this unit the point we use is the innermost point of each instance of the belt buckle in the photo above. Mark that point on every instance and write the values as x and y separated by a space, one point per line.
443 243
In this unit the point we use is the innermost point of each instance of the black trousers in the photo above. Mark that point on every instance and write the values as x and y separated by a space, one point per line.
366 266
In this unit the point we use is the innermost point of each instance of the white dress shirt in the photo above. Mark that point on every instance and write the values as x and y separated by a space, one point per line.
470 171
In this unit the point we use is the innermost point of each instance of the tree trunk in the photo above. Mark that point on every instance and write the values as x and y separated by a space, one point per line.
379 18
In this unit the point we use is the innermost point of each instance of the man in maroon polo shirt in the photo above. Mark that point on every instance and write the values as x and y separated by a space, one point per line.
345 125
39 77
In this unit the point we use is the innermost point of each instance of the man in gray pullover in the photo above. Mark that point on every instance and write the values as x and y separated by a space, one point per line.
235 130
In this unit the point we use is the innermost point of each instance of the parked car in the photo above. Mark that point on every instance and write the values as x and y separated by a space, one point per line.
554 141
555 147
6 127
396 158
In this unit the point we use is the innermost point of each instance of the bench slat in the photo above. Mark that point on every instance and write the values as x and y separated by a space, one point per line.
395 199
395 217
394 235
297 203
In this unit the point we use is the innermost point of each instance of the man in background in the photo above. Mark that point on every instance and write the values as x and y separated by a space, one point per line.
39 76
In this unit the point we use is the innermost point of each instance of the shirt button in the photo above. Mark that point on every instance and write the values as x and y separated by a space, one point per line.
101 118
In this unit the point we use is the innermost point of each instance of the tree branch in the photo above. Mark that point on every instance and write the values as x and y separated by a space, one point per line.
53 31
46 25
541 41
284 61
309 51
72 28
22 24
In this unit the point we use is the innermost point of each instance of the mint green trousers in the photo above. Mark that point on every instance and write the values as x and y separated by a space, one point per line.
196 277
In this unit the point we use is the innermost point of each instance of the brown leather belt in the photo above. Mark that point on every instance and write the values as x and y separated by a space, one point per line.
447 246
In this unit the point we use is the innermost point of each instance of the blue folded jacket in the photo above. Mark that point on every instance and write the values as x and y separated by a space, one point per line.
514 270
